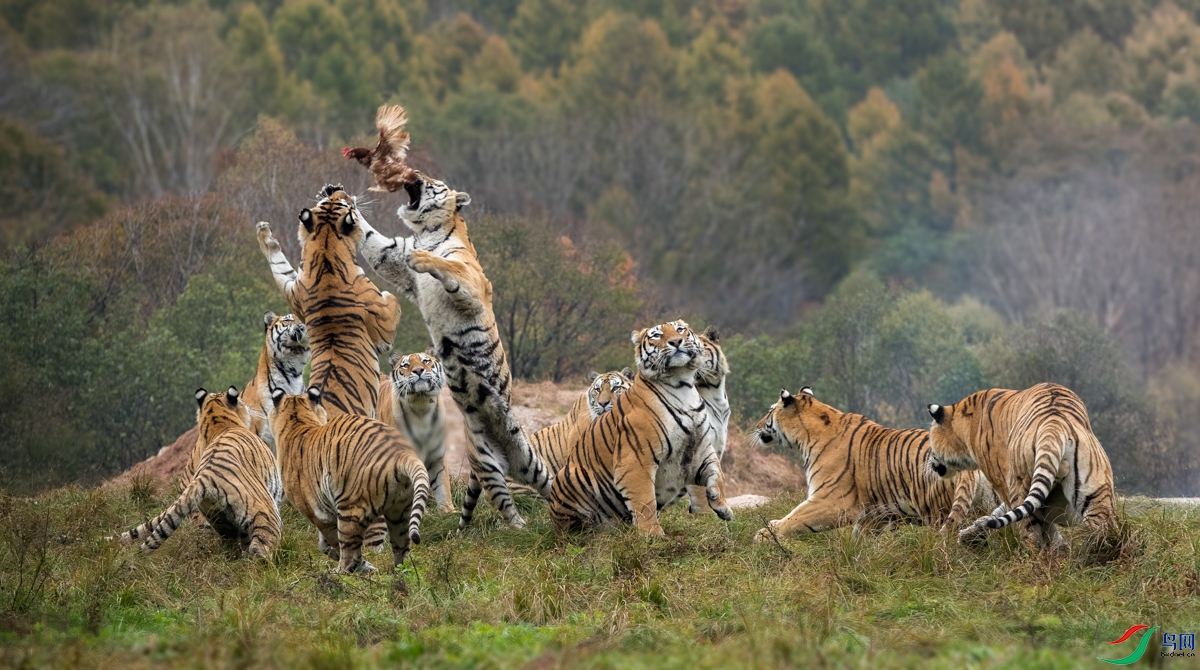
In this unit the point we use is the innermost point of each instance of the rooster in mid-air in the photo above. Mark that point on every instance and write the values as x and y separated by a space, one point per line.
386 160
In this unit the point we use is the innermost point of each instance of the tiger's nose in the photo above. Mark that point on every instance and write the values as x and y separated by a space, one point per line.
675 342
418 370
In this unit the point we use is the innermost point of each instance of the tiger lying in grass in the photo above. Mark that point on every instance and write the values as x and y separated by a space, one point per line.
858 469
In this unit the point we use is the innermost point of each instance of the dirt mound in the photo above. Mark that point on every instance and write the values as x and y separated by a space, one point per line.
747 469
163 467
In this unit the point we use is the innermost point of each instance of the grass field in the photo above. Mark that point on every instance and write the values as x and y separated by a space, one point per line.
493 597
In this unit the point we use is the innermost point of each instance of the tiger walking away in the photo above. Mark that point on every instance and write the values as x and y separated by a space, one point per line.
858 470
349 321
236 485
437 268
344 472
635 459
1037 449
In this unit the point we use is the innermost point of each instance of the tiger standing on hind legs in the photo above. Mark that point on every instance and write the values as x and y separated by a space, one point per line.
1037 449
437 268
349 321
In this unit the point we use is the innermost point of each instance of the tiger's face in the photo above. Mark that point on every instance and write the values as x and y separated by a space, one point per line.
220 410
949 452
333 222
431 204
713 366
419 374
606 388
667 350
287 338
798 422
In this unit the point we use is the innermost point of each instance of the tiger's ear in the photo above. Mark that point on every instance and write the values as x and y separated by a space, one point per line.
267 319
787 399
461 199
200 395
627 373
592 375
635 336
348 223
712 334
938 413
807 390
306 219
393 359
314 394
231 395
277 397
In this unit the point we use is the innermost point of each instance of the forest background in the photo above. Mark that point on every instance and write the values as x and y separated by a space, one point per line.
896 201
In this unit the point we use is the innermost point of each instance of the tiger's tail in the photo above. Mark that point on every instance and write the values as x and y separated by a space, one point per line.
160 528
419 476
1044 470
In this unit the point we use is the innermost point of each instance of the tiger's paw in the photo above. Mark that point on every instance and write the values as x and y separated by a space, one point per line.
974 534
422 261
266 240
724 513
768 533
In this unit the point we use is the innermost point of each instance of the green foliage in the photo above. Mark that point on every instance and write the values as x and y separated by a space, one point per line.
43 192
561 310
93 386
867 350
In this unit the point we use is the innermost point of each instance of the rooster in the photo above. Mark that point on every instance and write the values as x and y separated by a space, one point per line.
386 160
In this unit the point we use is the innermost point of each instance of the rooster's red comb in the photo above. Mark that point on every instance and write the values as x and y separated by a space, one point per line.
346 152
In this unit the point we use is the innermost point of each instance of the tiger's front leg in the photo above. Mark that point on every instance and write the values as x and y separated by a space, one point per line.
453 275
637 487
281 269
810 516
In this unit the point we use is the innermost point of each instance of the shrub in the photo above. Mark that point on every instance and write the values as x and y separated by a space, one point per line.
868 350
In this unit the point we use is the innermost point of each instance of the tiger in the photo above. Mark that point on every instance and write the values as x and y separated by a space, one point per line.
554 443
710 383
410 399
280 366
437 268
857 469
350 322
236 485
1037 449
342 473
639 457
